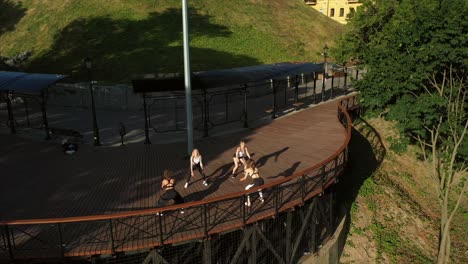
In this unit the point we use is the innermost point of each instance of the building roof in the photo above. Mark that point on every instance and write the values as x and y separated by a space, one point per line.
26 83
224 78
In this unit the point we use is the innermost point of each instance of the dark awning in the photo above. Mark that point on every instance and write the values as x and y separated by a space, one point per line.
225 78
26 83
253 74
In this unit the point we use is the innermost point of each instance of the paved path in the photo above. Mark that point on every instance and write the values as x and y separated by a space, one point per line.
39 181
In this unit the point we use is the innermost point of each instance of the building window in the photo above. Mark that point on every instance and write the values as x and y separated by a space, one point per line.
351 10
341 12
332 12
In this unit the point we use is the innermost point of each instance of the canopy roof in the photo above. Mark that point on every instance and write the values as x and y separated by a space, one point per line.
26 83
226 77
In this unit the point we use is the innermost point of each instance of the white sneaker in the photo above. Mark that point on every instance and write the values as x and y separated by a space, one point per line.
182 211
205 183
247 204
262 200
186 185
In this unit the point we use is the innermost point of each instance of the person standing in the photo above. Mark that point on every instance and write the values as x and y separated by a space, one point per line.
196 163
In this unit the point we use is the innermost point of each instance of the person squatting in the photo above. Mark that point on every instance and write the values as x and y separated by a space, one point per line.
241 155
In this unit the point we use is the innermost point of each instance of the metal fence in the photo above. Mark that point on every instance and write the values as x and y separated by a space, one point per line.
202 220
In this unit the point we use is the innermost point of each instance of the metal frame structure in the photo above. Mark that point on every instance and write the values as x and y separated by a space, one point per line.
302 203
288 93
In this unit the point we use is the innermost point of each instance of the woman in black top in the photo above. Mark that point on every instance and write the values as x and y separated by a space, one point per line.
169 192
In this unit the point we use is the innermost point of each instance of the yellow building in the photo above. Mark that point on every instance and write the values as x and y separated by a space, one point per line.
335 9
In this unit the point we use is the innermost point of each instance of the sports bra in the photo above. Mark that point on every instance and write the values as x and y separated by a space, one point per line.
196 160
169 185
255 172
240 153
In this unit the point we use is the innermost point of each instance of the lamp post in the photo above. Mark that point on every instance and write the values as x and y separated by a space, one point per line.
324 77
89 67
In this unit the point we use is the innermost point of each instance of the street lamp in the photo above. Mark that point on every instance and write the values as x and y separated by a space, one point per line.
89 66
325 54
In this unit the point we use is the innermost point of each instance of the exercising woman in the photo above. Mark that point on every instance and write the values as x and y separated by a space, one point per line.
240 156
252 171
169 192
196 163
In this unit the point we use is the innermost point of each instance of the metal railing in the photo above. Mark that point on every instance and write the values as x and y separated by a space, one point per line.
247 103
109 234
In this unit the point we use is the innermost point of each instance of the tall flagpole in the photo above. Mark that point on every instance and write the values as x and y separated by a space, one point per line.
187 75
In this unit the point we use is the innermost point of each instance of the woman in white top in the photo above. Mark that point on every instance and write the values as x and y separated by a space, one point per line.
196 163
240 156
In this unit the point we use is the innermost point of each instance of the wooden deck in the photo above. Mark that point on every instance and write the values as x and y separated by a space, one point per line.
39 181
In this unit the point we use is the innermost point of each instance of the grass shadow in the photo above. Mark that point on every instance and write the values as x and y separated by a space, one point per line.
11 12
366 153
128 47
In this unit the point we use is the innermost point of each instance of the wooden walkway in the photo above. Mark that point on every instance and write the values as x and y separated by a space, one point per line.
39 181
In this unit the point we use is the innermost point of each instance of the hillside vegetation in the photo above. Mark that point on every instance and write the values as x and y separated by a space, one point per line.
126 37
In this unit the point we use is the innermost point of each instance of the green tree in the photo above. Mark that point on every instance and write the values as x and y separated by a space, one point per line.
415 53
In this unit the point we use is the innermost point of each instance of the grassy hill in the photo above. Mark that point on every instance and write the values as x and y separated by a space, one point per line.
126 37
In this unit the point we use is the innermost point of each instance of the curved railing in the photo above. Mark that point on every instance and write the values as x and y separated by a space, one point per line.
112 233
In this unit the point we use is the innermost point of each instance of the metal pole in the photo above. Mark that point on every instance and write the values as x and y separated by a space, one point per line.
147 140
187 75
273 85
11 119
345 79
26 111
44 114
93 110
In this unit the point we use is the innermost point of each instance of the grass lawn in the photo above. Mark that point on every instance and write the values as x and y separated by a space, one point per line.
126 37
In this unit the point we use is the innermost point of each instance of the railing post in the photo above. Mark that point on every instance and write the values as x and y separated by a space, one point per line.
276 191
147 140
11 119
26 112
303 188
246 124
44 114
345 79
205 114
8 239
331 88
205 220
62 253
322 177
243 212
357 74
315 86
288 235
273 85
324 79
111 229
296 90
161 235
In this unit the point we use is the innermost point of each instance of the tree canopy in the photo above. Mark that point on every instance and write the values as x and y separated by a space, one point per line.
404 45
415 55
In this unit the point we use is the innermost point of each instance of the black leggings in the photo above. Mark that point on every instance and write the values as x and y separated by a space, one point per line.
196 167
169 195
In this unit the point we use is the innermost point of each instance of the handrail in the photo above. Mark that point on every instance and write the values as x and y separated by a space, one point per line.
194 203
